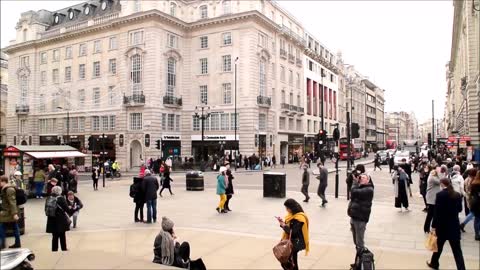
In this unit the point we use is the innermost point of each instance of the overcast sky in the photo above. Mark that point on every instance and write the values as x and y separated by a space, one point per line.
403 46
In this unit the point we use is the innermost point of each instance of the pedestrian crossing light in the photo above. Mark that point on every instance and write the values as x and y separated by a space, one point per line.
355 131
157 144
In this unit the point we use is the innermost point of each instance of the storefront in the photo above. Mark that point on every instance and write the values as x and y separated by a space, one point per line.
78 142
218 145
171 146
310 143
104 148
295 147
50 140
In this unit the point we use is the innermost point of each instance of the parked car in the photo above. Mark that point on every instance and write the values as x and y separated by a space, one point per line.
399 155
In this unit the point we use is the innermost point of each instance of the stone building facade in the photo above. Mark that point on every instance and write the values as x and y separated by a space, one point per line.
3 104
129 73
462 111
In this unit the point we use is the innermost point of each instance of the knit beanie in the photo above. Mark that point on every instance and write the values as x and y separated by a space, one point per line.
167 224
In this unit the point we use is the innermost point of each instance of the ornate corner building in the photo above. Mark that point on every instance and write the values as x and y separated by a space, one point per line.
462 110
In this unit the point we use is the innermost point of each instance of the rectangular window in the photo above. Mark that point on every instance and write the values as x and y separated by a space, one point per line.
262 122
226 63
203 12
81 71
136 38
68 74
164 121
233 121
204 94
171 122
55 76
227 93
195 123
290 77
95 123
56 55
24 61
96 69
291 124
215 121
262 40
177 122
112 43
136 121
299 125
172 41
224 121
68 52
97 46
227 39
203 66
227 8
282 73
203 42
298 81
112 66
81 98
96 95
281 123
112 122
43 78
43 58
104 122
111 95
82 49
23 123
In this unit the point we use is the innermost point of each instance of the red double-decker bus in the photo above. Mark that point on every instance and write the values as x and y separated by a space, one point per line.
343 149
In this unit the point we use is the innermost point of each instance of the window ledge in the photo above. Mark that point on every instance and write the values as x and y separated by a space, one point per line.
202 75
227 45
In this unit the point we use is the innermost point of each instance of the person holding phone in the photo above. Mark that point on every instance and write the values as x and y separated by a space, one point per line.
295 228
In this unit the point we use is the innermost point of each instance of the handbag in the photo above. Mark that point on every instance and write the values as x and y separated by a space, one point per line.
431 242
283 250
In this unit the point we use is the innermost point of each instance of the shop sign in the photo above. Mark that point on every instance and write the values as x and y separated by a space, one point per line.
11 152
214 137
295 139
172 137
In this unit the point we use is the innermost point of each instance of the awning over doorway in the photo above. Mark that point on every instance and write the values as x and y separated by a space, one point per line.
62 154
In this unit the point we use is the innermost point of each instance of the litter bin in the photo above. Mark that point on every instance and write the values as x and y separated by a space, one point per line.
9 227
194 181
274 184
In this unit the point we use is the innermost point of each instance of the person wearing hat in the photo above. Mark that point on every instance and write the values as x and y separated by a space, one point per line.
167 249
221 189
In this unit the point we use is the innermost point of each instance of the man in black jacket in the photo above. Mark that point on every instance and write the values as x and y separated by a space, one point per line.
359 208
150 187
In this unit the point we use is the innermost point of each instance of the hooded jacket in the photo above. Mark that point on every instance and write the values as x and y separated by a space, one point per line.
9 204
360 205
458 183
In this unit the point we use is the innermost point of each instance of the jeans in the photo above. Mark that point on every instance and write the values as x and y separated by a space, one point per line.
321 193
152 210
358 232
16 231
39 188
63 241
468 218
476 226
456 249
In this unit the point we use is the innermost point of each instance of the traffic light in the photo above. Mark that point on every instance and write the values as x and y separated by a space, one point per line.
429 136
336 134
157 144
355 131
91 143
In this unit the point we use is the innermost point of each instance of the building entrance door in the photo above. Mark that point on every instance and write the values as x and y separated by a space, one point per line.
135 154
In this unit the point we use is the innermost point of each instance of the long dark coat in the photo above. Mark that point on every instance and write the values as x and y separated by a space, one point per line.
445 217
60 223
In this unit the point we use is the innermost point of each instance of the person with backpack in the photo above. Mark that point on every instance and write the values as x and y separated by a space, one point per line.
359 210
400 183
9 212
138 196
75 204
58 218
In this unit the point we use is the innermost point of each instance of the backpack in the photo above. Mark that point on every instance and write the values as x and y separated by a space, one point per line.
364 260
133 190
20 196
51 206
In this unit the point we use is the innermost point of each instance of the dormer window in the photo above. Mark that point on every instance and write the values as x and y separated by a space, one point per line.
86 11
71 15
56 19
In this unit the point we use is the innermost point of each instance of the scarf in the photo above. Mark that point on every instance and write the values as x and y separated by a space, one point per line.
301 217
167 248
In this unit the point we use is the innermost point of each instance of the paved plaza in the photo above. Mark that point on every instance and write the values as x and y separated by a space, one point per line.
107 237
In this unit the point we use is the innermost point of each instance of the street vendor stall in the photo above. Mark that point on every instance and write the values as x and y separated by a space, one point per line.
24 158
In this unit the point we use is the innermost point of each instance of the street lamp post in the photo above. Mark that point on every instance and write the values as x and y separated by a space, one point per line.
202 113
103 158
235 125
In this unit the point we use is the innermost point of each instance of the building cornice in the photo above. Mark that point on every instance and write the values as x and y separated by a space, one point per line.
141 16
457 23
